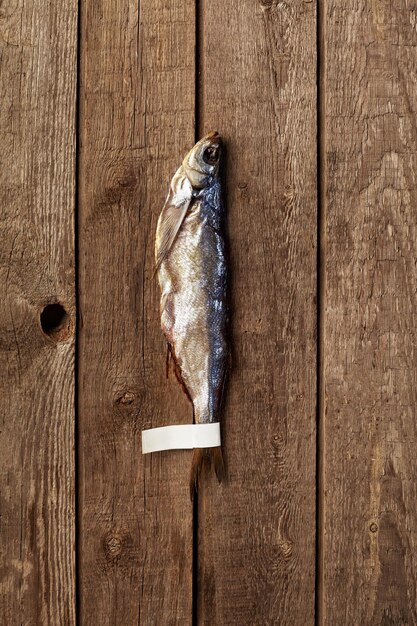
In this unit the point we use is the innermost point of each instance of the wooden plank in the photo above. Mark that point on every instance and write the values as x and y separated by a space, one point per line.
37 186
257 532
370 532
137 120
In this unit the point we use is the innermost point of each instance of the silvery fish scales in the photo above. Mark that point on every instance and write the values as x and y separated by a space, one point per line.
191 265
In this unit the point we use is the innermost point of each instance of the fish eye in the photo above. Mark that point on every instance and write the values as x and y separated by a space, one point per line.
211 155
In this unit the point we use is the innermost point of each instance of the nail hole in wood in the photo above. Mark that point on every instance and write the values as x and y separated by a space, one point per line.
55 322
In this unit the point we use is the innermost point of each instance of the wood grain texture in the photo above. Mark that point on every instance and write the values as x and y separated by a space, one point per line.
370 533
37 186
137 121
257 532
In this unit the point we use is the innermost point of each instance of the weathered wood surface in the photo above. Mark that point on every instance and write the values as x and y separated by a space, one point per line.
255 536
37 190
256 555
370 526
136 121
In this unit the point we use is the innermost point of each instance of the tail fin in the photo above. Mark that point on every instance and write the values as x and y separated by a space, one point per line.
211 456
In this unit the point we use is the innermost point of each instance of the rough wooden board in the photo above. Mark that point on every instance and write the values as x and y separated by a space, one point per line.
257 532
370 562
137 121
37 183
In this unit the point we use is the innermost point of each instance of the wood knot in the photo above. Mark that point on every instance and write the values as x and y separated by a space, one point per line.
286 547
289 193
373 527
126 398
113 545
129 180
55 322
127 405
276 441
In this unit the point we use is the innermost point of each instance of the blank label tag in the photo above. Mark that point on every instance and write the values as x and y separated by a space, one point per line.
181 437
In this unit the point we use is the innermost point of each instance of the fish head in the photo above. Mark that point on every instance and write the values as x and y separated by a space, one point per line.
202 161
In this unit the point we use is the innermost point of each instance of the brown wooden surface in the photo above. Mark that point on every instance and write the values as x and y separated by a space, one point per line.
256 533
136 119
37 187
370 531
246 554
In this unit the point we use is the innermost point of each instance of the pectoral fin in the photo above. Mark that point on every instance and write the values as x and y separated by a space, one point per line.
172 215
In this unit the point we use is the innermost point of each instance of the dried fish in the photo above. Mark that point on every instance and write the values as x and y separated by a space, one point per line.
192 273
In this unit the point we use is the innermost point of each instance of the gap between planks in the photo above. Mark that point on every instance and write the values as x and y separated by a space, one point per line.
78 321
321 290
197 130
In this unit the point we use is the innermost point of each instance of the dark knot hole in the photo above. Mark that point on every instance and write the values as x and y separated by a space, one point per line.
55 322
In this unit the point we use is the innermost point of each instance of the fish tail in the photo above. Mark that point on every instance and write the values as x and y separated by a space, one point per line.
197 463
200 456
217 460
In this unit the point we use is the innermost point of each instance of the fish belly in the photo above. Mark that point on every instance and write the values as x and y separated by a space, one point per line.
193 312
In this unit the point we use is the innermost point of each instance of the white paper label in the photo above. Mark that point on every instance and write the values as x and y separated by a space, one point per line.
180 437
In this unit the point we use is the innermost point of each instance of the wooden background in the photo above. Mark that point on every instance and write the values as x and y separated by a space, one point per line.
317 522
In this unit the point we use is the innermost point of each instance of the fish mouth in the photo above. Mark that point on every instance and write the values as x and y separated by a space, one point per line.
212 136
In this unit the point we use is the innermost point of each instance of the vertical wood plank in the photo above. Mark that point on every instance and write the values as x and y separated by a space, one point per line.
370 546
257 532
37 188
137 121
